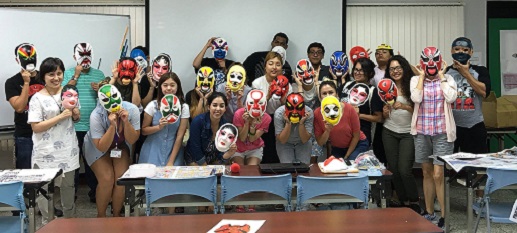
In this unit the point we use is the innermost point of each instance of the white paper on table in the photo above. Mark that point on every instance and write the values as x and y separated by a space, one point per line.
254 225
28 175
513 214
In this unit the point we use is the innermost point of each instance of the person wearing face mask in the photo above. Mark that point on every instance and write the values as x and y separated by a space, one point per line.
219 63
254 63
86 79
273 68
126 78
54 138
432 124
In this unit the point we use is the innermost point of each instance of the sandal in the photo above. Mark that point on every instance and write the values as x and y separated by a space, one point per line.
240 209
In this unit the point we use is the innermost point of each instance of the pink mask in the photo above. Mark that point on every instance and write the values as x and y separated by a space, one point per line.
161 65
256 103
359 94
69 97
431 61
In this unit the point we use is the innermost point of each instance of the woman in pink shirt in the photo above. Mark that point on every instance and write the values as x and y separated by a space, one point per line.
345 137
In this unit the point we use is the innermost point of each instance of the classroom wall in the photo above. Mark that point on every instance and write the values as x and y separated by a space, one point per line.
134 8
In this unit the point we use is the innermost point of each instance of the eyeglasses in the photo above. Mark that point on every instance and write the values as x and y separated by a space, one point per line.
396 68
358 71
316 53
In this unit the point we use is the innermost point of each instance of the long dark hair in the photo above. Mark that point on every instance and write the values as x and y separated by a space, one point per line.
407 74
367 66
49 65
176 79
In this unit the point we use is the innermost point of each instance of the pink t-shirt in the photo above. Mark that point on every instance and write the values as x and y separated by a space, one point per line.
238 121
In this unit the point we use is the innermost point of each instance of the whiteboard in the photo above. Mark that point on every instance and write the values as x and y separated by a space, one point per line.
181 29
54 35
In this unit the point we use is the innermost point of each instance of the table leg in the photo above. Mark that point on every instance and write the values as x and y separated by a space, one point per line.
501 143
470 213
129 195
30 193
381 185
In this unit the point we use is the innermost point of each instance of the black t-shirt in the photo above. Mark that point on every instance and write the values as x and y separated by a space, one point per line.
373 104
13 87
220 75
126 91
324 73
254 66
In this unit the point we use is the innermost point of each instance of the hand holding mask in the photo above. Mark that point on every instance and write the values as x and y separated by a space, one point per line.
388 91
331 110
170 107
279 87
225 137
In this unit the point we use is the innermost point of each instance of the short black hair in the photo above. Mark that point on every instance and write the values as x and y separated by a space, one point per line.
367 66
315 45
214 95
283 35
49 65
144 49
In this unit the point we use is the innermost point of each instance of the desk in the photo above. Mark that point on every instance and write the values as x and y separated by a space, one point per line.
132 200
32 186
374 220
499 134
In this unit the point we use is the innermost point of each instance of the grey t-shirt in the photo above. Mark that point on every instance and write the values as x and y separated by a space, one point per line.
467 107
294 137
232 102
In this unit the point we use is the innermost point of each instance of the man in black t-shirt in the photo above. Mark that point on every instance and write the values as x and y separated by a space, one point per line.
18 91
218 63
254 63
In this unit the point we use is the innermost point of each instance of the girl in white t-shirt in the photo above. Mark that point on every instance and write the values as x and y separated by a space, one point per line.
55 142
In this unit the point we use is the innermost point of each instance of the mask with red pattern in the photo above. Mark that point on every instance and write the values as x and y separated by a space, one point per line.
83 54
358 52
161 65
387 91
69 97
26 56
431 61
279 87
294 107
256 103
305 71
359 94
127 68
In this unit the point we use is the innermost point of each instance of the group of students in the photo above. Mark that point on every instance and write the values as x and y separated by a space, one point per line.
280 114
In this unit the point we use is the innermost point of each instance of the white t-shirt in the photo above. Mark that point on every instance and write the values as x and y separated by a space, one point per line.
399 121
152 107
56 147
379 74
262 84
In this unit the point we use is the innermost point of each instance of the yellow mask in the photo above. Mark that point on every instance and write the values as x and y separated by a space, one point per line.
331 110
205 79
236 78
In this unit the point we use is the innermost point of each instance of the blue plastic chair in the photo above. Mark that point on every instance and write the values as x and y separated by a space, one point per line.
310 187
233 186
205 187
496 211
12 194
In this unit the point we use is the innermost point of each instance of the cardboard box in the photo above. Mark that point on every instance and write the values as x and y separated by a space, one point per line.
500 112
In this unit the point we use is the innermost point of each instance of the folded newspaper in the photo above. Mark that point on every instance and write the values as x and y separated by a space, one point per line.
506 159
177 172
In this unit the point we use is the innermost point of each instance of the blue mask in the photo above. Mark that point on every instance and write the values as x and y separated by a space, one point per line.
462 58
140 58
339 63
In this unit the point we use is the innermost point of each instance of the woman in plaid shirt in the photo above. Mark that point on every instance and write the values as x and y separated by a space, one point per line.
433 125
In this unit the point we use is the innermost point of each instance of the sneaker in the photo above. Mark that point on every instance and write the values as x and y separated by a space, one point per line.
441 223
431 217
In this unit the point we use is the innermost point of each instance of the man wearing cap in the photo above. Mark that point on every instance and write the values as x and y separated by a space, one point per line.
254 63
382 54
473 85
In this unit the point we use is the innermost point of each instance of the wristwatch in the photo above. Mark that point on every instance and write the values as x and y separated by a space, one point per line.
75 78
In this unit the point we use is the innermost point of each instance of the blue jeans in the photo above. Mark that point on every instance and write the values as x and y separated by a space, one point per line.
23 152
362 146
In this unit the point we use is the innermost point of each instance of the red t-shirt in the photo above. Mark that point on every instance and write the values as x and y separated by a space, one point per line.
238 121
341 134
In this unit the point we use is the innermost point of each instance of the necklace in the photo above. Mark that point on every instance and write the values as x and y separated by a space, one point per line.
52 96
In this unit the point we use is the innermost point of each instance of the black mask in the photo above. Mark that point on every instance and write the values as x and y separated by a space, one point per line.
462 58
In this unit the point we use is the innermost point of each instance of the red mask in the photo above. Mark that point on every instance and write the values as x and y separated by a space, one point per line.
256 103
305 71
294 107
357 52
279 87
387 91
127 69
431 61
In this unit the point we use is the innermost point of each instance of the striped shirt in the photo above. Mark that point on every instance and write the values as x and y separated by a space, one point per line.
87 95
431 115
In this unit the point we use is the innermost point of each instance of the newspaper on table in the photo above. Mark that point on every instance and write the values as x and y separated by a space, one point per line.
506 159
178 172
28 175
245 226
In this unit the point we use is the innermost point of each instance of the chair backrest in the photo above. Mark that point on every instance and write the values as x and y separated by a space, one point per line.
12 194
499 178
309 187
205 187
232 186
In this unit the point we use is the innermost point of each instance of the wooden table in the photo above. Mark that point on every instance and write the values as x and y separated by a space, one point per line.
374 220
132 200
